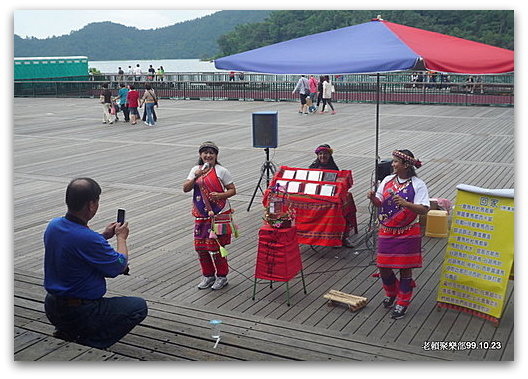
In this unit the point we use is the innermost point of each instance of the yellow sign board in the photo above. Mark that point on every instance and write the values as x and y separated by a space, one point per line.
479 254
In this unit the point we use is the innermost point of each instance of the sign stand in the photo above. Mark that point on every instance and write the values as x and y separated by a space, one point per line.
479 256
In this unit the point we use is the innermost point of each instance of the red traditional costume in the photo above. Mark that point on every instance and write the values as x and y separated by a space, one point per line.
212 227
399 235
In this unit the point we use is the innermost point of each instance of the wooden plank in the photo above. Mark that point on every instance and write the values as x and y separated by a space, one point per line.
39 349
474 145
317 339
67 352
159 345
25 338
93 355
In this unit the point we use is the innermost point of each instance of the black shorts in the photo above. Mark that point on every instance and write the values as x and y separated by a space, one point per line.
303 98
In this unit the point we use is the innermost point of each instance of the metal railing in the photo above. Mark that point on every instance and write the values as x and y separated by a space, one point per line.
495 90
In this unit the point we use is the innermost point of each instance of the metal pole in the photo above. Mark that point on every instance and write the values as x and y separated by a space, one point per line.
377 126
267 167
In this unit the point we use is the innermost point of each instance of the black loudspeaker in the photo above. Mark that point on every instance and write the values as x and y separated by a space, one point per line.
265 133
384 169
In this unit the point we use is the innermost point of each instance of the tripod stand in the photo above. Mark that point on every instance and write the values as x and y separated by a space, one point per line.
267 168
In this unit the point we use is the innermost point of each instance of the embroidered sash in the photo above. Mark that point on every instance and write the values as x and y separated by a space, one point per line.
202 202
391 216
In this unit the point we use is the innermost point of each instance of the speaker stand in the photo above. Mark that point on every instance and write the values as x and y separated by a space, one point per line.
267 168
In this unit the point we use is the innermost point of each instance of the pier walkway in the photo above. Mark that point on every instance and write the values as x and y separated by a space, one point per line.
142 169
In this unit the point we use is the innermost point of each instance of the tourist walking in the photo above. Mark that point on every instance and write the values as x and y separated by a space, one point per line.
133 103
213 185
137 73
120 74
150 100
151 72
106 101
313 92
122 100
303 88
320 91
160 73
130 73
328 89
400 198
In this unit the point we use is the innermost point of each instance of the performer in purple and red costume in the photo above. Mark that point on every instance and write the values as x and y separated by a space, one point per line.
213 185
400 197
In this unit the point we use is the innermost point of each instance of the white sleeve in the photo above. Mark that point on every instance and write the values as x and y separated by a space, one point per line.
191 173
297 86
224 175
421 192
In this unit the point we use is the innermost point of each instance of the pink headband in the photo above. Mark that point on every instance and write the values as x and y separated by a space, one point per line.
406 158
322 148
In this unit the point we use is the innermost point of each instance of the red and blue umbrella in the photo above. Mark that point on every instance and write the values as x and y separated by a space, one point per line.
372 47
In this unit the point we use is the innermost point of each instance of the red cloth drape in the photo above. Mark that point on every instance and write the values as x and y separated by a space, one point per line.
278 255
321 220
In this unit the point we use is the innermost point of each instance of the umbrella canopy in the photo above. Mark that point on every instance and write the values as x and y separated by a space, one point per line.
372 47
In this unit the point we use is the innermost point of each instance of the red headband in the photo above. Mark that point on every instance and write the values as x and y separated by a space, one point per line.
407 158
322 148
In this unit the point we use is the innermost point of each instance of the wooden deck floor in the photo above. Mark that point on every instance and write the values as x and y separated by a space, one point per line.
142 169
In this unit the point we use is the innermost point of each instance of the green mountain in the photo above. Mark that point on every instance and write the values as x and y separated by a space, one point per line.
493 27
233 31
109 41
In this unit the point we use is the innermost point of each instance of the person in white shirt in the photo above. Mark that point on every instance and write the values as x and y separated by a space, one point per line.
328 88
137 72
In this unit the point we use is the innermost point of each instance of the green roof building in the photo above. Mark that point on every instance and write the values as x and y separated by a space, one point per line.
51 68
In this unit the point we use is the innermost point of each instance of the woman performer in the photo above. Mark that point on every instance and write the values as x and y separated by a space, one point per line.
325 161
324 158
212 185
400 197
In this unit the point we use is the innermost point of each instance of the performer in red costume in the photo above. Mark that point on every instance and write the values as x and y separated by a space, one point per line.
400 197
213 185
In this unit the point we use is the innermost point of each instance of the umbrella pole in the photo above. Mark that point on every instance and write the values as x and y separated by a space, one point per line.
371 240
377 130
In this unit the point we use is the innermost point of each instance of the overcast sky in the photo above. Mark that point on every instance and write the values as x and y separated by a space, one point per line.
51 22
34 18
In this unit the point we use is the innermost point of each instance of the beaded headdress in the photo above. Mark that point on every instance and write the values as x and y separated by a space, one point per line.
407 158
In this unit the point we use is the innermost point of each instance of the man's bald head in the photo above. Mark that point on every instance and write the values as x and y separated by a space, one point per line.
80 192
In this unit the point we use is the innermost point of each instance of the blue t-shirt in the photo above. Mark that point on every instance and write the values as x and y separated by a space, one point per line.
123 92
77 260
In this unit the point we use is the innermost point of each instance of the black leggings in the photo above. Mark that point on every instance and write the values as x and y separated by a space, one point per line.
327 101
